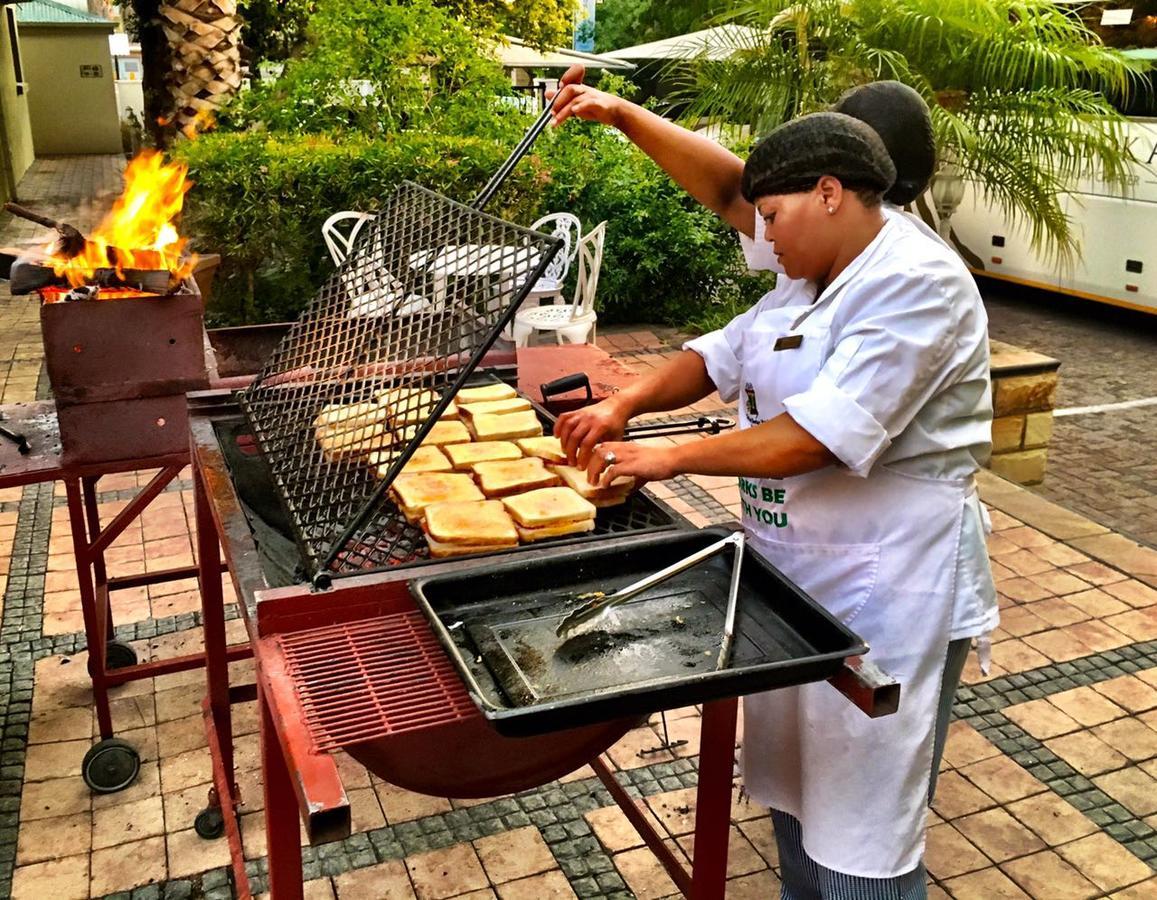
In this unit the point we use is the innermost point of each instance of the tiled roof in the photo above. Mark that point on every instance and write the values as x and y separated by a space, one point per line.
48 12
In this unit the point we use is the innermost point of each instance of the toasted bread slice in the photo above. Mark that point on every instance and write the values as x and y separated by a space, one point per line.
464 457
412 406
477 523
506 477
351 443
485 393
545 448
577 479
425 459
449 432
415 492
548 506
507 427
494 407
346 416
530 535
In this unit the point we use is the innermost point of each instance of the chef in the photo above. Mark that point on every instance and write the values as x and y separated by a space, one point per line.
864 405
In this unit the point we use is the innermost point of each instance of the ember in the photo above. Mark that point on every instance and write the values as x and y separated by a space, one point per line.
138 233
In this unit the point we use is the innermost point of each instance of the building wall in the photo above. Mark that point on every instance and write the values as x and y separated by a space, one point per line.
70 113
16 155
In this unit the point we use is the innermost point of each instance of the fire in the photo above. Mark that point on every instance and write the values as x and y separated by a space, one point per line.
138 233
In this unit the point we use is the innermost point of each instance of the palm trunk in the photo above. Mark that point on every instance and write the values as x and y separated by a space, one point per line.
204 39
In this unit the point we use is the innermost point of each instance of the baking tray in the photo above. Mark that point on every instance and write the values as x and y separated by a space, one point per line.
655 652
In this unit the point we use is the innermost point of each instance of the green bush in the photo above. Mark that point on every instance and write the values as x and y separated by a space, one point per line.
260 200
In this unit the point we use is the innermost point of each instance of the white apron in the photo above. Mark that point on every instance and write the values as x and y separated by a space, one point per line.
877 552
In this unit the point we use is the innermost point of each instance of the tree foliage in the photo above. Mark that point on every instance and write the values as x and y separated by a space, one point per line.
274 30
624 23
540 23
1021 91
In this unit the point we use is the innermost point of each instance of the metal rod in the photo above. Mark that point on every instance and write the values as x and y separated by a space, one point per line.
732 603
591 610
702 425
19 440
520 151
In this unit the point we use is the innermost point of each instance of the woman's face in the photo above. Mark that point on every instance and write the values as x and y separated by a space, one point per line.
803 232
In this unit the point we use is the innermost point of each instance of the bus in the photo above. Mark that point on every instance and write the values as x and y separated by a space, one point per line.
1116 229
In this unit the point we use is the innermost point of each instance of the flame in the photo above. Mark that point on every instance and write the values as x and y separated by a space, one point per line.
203 121
138 233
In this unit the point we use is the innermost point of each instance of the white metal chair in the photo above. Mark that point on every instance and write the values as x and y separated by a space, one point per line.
341 231
575 323
569 228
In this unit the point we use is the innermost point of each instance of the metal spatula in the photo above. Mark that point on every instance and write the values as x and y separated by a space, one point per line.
593 609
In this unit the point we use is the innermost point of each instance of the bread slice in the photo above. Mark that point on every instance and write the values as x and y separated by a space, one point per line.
548 506
611 495
483 523
443 433
530 535
414 493
507 427
425 459
506 477
351 443
494 407
546 448
442 550
464 457
345 416
412 406
484 393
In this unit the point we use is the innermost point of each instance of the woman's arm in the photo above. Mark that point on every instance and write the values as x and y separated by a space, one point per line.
708 171
776 449
683 381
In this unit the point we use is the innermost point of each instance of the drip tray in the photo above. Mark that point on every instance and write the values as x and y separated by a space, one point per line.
658 651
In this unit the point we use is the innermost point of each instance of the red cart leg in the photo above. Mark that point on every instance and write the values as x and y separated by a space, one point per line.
95 618
99 573
282 831
713 803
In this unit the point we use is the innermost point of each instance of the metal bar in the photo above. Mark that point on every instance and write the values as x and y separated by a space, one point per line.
227 799
868 687
713 799
173 664
99 573
281 815
95 619
651 837
732 604
213 625
124 582
516 155
136 506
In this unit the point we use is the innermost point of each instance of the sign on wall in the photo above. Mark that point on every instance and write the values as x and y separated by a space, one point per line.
92 71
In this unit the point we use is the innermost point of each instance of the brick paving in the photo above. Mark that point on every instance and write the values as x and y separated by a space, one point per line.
1048 787
1099 463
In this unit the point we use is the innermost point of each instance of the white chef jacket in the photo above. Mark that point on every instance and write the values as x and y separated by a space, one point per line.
914 391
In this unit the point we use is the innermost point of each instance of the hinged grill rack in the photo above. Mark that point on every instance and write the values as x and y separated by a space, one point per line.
425 292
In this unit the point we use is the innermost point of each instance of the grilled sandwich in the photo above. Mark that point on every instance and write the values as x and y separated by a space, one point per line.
505 477
494 407
610 495
485 393
550 512
506 427
412 406
425 459
545 448
413 493
464 457
455 529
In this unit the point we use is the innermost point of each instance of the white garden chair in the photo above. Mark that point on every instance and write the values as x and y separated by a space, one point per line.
569 228
341 231
575 323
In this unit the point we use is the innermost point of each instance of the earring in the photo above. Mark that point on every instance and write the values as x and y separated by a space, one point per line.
831 212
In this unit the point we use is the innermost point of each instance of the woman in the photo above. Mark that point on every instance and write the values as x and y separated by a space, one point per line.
863 380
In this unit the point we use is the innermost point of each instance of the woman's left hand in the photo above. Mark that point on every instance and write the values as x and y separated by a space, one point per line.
642 462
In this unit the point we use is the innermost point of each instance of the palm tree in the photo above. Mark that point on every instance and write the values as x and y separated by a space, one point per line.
1021 91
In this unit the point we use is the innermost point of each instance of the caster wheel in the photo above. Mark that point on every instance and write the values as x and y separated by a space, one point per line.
210 823
119 656
110 766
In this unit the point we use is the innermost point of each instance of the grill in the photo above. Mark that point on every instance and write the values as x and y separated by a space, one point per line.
424 294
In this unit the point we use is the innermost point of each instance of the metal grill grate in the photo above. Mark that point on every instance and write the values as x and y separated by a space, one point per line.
366 680
426 291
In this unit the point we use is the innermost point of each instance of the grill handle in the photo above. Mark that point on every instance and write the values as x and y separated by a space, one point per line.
516 155
566 384
700 425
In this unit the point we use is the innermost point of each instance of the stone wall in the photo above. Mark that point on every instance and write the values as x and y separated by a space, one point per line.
1024 387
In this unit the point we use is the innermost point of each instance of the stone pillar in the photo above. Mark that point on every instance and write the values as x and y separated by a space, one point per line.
1024 387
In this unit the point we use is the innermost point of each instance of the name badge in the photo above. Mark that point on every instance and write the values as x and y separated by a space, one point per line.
788 342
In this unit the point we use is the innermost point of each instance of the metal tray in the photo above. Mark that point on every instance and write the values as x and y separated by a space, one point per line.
655 652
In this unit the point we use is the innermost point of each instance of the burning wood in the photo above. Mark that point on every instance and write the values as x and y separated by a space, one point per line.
136 246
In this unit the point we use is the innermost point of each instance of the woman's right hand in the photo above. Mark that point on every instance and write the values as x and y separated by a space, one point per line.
584 101
579 431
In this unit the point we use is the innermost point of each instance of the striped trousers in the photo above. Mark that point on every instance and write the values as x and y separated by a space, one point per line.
802 878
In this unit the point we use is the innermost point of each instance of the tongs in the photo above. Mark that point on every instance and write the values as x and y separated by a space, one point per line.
599 606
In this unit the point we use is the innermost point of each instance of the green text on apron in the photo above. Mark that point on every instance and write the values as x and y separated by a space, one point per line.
878 552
